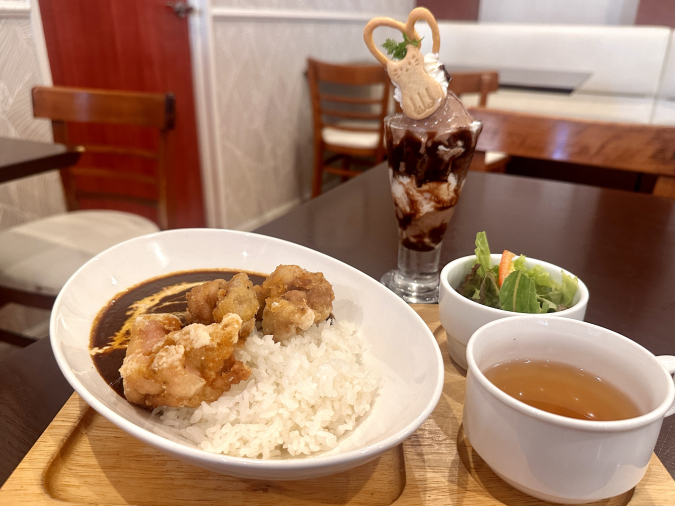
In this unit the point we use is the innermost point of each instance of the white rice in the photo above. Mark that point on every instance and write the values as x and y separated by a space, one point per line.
302 396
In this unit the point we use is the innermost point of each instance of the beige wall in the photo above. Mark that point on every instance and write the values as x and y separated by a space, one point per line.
20 70
261 127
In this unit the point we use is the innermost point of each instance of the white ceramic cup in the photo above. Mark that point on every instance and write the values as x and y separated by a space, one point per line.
553 457
461 317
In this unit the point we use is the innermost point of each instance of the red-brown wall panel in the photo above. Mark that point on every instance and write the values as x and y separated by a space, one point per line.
656 12
455 10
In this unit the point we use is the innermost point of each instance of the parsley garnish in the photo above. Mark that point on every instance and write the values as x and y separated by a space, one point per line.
398 50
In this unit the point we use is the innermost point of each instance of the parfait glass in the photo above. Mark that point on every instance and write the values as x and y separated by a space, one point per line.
428 162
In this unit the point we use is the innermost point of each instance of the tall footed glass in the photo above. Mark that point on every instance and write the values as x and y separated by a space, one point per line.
428 162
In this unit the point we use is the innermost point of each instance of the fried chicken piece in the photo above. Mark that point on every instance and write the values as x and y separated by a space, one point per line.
287 315
290 285
169 366
211 301
203 299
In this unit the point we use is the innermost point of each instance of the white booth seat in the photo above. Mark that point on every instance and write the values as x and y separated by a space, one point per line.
664 112
667 88
664 108
594 106
622 60
625 63
41 255
351 139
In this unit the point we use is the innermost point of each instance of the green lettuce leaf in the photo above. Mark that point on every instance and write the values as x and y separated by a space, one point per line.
547 306
569 288
525 290
519 263
483 254
518 294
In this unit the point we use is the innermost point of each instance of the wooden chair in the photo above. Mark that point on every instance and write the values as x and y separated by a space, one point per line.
347 124
648 149
483 83
38 257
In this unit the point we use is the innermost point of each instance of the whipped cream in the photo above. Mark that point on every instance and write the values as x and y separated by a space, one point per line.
432 67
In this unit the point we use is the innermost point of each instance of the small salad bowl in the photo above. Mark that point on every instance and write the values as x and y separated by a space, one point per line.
461 317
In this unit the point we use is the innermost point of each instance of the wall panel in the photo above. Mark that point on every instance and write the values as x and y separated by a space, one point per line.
260 127
21 69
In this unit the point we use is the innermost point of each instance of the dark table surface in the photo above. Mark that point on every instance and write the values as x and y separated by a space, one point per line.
20 158
621 244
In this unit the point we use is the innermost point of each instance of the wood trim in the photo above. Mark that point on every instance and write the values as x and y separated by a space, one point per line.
226 13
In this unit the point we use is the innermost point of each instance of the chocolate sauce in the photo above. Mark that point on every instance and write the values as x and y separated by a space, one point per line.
426 162
107 333
422 161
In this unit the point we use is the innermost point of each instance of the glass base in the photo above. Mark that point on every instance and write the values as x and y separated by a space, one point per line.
413 292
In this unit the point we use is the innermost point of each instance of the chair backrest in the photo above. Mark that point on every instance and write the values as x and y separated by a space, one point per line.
146 110
345 107
648 149
474 82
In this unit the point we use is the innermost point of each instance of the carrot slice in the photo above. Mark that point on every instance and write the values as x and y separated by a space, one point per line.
505 266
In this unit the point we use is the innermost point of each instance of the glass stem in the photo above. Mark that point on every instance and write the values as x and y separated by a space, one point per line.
418 270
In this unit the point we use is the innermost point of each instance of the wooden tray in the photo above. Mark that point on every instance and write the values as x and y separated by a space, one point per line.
83 459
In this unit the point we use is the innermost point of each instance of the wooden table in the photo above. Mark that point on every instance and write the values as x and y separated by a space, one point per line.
621 244
19 158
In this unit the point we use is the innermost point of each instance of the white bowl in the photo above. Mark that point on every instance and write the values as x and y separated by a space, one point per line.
461 317
400 344
553 457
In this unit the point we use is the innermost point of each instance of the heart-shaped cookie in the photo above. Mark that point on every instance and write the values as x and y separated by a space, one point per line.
421 95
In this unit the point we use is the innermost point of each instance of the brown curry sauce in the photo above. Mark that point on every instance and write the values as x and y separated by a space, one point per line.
164 294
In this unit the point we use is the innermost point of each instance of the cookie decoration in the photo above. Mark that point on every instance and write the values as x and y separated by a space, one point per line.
421 94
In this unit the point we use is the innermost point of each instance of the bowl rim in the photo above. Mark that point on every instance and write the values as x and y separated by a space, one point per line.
559 420
307 462
550 268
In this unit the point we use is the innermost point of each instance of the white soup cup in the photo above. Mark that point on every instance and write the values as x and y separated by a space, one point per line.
553 457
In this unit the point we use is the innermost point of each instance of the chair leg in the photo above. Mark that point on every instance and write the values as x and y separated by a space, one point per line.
7 336
346 163
317 182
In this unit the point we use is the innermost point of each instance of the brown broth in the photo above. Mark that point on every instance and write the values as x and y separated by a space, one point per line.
562 389
166 294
